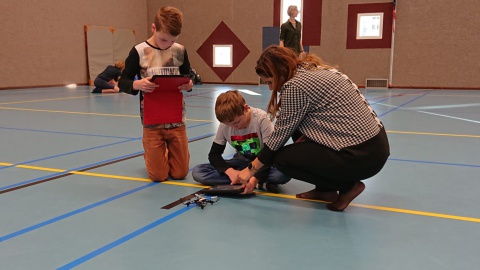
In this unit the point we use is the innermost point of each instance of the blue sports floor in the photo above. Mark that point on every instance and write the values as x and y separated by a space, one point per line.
74 192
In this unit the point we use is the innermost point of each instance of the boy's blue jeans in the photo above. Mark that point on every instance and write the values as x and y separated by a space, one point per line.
209 176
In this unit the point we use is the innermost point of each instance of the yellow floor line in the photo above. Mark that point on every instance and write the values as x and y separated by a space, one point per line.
112 176
84 113
383 208
175 183
6 164
210 121
39 168
98 114
200 120
286 196
418 213
40 100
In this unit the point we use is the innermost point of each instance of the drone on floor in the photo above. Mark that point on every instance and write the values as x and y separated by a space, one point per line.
202 201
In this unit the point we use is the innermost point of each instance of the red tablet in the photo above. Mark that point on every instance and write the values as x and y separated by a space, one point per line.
165 104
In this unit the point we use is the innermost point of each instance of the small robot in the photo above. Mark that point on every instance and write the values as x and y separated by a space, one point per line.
202 201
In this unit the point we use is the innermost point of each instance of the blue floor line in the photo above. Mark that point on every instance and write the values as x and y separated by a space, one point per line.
85 134
84 167
67 171
202 124
69 153
380 101
87 149
72 213
435 162
66 133
124 239
31 181
402 105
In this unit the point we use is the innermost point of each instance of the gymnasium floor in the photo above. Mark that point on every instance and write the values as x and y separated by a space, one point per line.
74 192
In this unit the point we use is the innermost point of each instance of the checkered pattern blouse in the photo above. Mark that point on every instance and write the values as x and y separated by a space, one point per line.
327 107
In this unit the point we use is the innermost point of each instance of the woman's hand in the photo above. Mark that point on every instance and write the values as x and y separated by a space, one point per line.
244 175
145 85
250 185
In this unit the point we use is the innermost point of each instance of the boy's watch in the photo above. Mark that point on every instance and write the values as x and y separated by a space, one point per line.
251 168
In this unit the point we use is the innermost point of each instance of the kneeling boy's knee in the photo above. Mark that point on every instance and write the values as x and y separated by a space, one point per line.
179 175
157 177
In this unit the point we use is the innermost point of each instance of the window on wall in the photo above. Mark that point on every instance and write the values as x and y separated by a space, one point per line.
369 25
285 4
222 55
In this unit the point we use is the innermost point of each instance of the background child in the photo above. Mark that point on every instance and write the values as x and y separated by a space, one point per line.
107 81
166 145
245 129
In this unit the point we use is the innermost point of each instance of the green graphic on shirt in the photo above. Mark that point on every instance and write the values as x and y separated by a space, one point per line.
247 145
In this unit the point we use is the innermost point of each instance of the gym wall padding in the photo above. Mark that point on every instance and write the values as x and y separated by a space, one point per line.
123 41
105 45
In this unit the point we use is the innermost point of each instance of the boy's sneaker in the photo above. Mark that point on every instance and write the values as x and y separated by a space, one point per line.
273 188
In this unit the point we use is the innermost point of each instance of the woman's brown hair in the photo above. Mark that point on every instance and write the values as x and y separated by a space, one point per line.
280 64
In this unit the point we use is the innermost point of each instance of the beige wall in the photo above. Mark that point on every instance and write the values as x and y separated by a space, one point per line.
43 42
436 42
358 64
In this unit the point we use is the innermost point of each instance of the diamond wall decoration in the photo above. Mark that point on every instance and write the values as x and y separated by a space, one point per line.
222 35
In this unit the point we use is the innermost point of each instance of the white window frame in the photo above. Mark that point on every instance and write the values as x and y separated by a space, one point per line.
223 55
361 25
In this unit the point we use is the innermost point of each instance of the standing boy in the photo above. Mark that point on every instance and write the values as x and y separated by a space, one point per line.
246 129
166 145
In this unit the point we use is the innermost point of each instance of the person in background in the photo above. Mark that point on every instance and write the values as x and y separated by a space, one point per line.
107 81
246 129
343 141
166 145
291 32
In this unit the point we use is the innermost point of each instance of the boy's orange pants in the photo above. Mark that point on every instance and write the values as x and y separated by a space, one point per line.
166 153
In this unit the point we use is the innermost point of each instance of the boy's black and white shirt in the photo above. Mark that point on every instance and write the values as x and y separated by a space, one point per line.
327 107
145 60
